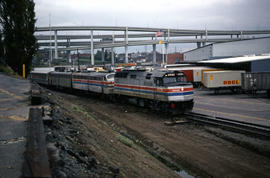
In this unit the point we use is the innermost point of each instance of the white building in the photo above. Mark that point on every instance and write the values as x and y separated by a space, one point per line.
229 49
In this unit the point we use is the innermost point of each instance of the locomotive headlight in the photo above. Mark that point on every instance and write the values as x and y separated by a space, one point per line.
182 88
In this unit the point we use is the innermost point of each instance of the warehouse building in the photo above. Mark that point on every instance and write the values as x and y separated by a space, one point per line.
250 55
253 63
229 49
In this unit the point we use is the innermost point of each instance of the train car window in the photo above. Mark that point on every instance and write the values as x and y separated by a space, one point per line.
133 76
148 76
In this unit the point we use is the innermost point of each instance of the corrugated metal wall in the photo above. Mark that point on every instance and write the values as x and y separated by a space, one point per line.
198 54
260 66
240 48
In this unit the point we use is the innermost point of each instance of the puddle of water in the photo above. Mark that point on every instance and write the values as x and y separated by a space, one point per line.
184 174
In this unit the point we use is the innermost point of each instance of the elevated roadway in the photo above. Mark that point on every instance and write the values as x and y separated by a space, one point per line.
166 36
84 45
143 29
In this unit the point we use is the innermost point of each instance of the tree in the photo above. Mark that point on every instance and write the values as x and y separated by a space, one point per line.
18 22
1 49
98 55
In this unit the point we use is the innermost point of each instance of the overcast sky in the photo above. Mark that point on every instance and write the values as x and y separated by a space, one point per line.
181 14
199 14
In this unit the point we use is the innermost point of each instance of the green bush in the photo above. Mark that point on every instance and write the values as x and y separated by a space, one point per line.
6 69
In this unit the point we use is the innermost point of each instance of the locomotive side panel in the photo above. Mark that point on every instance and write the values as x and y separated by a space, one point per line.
95 85
132 83
79 82
165 90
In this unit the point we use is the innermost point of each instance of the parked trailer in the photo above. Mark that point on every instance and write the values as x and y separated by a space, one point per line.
206 70
223 80
193 73
256 81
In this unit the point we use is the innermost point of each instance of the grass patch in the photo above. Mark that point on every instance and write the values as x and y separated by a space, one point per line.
81 110
7 70
126 141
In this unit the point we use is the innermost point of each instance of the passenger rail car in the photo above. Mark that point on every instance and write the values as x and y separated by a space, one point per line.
96 82
41 77
163 90
60 79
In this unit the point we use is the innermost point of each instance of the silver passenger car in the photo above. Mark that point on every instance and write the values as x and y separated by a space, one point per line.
61 79
41 77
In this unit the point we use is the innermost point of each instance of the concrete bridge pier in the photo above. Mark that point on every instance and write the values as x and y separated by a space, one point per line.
102 55
154 54
68 51
126 46
112 51
166 52
92 49
112 56
55 45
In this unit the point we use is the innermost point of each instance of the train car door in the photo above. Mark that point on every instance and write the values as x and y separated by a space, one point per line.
158 84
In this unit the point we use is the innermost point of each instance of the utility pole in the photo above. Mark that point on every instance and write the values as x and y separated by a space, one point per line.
50 60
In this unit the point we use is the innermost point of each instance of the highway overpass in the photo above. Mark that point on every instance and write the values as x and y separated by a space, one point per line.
116 36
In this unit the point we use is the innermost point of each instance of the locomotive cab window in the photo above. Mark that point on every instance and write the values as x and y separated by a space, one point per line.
172 78
110 77
158 81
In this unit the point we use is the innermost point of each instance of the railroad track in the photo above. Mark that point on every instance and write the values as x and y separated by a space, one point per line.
233 125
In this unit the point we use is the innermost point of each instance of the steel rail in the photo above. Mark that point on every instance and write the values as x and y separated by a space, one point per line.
234 125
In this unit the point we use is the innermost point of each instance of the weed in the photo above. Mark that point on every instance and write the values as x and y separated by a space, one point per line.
7 70
126 141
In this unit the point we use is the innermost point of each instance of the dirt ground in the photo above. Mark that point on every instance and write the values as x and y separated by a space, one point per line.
91 137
